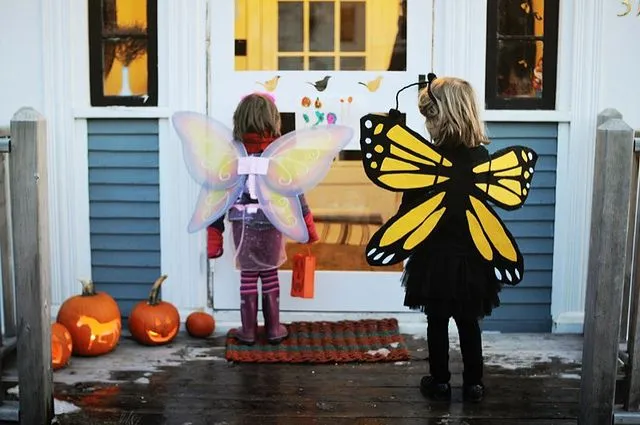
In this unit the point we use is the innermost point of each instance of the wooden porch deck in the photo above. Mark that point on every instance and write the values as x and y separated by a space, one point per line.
530 379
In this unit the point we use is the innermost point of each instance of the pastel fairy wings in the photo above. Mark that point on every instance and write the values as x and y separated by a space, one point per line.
291 165
398 159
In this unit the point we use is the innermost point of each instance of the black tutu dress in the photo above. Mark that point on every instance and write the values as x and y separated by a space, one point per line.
445 275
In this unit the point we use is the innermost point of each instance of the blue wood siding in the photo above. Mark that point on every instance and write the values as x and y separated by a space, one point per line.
124 207
527 307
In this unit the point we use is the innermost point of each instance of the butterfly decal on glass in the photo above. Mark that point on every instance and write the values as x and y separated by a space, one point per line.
293 164
398 159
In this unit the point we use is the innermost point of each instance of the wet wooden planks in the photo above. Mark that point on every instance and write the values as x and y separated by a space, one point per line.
217 392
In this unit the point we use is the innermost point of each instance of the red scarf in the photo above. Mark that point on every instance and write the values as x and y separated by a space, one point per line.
256 143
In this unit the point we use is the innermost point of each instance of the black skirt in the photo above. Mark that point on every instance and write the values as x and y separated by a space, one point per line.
447 284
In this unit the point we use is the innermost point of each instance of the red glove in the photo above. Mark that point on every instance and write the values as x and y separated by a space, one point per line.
214 242
311 228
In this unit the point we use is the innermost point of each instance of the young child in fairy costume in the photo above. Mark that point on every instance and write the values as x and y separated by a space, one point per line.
260 247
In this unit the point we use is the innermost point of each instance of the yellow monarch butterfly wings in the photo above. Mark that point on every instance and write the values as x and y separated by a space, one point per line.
505 180
394 241
494 242
396 158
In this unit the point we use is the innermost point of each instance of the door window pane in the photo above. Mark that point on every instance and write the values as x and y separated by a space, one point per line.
291 64
352 63
520 68
290 32
321 63
352 27
347 211
321 26
271 32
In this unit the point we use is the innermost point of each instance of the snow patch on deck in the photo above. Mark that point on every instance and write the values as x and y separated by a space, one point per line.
132 357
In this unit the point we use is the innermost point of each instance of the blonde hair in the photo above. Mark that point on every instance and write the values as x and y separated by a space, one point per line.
453 118
256 113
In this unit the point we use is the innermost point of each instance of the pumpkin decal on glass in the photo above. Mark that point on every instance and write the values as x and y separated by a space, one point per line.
61 346
200 324
154 322
93 320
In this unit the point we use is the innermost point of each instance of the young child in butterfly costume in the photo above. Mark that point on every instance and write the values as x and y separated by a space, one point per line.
459 251
256 178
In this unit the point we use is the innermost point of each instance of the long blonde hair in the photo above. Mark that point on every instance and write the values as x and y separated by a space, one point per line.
453 118
256 113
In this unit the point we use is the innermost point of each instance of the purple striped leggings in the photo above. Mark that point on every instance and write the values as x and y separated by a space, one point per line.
249 281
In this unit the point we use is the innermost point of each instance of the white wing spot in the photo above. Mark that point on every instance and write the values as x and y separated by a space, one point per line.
531 170
508 275
367 141
369 155
530 156
368 124
388 258
497 272
371 252
379 255
528 185
517 274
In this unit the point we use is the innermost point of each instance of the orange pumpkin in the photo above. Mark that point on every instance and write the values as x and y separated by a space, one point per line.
200 324
154 322
93 320
61 346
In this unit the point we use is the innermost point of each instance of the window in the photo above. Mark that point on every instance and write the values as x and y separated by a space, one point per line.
123 54
328 35
522 35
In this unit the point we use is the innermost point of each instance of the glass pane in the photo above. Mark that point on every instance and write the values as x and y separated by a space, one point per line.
321 26
347 210
352 27
124 14
321 63
524 17
380 38
352 64
290 35
125 67
291 64
520 69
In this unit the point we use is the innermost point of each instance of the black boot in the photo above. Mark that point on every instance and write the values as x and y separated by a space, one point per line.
473 393
434 390
248 315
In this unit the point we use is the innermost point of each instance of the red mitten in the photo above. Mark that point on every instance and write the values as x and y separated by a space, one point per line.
214 242
311 228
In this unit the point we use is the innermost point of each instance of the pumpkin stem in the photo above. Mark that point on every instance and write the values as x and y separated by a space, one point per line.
88 289
155 290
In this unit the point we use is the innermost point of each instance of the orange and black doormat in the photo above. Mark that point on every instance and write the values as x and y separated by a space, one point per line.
326 342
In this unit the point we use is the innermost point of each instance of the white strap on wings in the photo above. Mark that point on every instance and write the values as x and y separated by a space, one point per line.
252 166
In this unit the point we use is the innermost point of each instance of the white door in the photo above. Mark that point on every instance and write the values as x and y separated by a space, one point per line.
288 48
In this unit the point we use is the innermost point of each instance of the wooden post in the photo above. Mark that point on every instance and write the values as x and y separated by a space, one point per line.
605 278
6 259
28 184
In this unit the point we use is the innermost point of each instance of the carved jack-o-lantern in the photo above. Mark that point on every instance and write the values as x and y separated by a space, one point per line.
61 346
154 322
93 320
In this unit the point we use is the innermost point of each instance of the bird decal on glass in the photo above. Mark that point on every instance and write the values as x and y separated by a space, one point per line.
372 85
321 85
270 85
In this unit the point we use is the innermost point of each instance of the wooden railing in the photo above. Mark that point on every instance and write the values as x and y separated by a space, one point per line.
612 307
24 260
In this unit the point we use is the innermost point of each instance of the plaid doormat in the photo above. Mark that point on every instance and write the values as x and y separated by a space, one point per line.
326 342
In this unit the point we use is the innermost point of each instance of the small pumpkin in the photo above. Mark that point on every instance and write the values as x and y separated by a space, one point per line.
61 346
93 320
200 324
154 322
